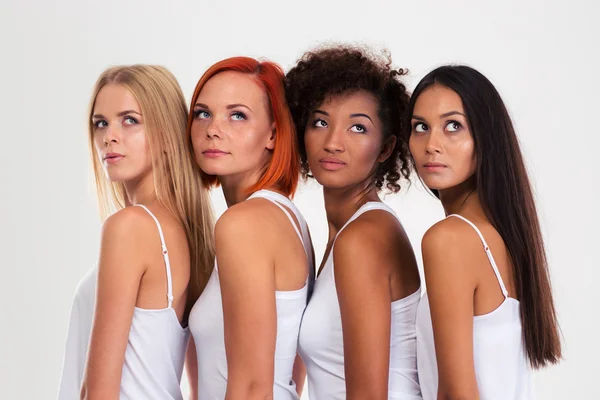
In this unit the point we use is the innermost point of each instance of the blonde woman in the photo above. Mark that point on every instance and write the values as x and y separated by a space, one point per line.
157 248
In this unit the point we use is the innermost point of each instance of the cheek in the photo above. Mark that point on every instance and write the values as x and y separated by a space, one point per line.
249 140
467 160
98 143
366 151
414 147
197 130
137 144
196 133
312 143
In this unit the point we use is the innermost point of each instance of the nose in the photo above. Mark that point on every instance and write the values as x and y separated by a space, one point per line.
434 143
111 134
334 141
213 130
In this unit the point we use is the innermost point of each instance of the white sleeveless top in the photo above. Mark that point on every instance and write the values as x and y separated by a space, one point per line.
206 323
155 350
78 337
321 343
501 366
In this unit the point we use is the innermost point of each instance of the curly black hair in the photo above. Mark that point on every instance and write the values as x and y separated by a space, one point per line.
338 70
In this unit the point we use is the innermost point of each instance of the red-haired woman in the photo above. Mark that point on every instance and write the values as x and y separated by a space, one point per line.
245 324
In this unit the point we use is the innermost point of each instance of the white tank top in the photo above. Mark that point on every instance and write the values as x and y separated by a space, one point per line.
155 350
321 342
501 367
78 337
206 323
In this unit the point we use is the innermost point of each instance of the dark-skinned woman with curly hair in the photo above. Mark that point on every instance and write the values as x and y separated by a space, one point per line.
357 337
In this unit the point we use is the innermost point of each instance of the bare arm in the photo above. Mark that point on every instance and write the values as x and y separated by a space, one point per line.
247 277
362 281
191 367
450 289
299 374
120 270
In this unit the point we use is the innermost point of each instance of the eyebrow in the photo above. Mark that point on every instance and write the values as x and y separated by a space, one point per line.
229 107
122 113
362 115
444 115
351 115
452 113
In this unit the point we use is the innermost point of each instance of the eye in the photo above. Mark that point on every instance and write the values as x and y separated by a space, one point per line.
201 114
100 124
319 123
420 127
453 126
358 128
130 120
238 116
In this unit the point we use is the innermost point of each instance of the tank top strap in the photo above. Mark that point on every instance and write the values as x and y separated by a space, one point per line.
165 254
488 252
280 200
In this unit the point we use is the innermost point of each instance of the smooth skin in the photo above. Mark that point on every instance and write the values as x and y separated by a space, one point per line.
131 269
374 261
460 281
232 115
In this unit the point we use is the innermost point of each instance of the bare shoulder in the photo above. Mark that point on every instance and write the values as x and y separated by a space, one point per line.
366 241
443 234
450 240
126 236
252 216
127 224
371 230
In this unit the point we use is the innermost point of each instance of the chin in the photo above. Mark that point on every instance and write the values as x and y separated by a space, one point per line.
436 185
330 183
115 178
115 175
213 171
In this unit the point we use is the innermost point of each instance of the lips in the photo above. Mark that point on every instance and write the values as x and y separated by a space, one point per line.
331 163
213 153
111 158
434 166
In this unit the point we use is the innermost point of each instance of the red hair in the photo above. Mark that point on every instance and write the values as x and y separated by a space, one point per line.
284 167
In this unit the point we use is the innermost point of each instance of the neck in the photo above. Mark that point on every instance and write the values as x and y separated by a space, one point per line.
235 187
460 197
140 191
341 204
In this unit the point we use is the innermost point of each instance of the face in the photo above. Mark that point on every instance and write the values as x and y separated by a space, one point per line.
232 131
344 140
119 134
441 142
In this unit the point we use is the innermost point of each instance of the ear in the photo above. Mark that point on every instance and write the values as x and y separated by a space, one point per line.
271 141
388 148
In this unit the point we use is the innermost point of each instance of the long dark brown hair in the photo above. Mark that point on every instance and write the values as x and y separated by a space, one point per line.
507 200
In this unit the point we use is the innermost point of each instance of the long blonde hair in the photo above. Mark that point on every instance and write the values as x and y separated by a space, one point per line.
177 181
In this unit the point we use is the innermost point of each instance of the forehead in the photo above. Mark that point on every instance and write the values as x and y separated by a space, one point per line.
354 102
232 87
115 98
436 100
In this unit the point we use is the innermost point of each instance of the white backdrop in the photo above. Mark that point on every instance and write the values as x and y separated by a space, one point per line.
541 55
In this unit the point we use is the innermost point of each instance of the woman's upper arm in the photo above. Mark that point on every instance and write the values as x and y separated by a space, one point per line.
450 289
247 278
191 367
362 280
120 270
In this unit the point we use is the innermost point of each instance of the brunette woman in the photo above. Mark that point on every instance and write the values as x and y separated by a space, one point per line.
488 316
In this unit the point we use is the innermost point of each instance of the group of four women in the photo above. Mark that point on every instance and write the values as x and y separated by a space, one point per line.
241 302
